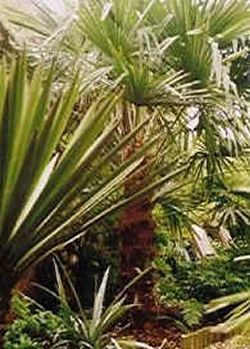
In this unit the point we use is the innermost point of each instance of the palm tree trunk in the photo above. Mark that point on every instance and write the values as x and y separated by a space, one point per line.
136 247
136 233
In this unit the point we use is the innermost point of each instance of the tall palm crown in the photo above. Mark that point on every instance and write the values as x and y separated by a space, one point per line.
173 59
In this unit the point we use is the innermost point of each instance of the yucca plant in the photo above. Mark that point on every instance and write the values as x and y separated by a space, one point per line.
90 331
50 195
37 182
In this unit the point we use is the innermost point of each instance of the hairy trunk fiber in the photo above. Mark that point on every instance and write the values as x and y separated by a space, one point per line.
136 233
136 239
136 244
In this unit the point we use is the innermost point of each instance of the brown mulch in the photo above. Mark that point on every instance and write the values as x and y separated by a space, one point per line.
150 323
154 333
157 336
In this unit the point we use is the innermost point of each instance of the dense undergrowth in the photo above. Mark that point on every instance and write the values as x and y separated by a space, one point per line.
191 285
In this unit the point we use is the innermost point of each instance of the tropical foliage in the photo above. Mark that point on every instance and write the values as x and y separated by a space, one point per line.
158 94
191 284
172 57
46 188
36 328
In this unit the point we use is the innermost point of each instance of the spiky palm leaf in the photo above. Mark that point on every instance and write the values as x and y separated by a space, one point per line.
237 318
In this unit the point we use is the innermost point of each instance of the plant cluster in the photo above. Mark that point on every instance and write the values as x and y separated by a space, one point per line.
33 328
193 284
87 328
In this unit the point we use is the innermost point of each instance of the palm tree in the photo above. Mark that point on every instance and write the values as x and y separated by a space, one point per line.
172 59
169 65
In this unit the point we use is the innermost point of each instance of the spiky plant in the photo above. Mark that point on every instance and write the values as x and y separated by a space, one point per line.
50 195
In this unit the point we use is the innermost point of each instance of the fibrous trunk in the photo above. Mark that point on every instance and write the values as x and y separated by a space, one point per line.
136 232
